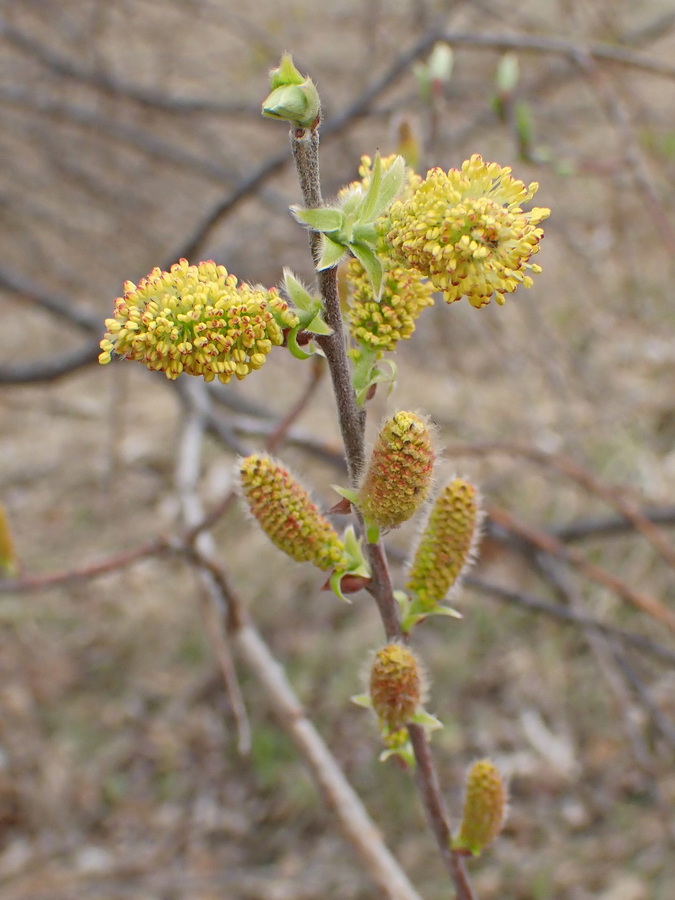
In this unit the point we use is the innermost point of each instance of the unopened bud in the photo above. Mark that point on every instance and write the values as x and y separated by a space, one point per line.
293 97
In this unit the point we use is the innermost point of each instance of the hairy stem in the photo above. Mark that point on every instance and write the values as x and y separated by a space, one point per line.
305 146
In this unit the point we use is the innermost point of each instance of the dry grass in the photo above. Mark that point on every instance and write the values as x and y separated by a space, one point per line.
119 776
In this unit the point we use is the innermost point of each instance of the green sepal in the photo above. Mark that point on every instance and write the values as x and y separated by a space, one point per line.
389 186
286 73
307 307
331 253
363 700
405 753
356 563
323 218
372 533
334 582
366 211
367 373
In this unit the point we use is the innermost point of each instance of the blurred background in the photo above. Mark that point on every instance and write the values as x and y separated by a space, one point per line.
131 136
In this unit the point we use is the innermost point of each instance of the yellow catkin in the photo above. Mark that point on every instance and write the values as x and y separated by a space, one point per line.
447 544
396 685
287 515
485 806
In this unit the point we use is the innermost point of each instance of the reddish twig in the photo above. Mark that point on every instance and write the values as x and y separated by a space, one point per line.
549 544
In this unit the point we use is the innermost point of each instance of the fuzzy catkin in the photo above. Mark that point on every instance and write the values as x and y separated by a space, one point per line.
447 544
287 515
399 473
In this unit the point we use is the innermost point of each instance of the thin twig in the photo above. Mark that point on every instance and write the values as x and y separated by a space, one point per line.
615 496
545 541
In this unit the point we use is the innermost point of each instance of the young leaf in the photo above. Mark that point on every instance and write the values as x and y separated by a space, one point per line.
331 253
322 219
371 264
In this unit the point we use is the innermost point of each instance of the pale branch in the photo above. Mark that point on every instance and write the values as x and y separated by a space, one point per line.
225 606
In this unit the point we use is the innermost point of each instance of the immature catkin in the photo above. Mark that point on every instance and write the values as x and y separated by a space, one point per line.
287 515
396 685
447 543
399 474
485 805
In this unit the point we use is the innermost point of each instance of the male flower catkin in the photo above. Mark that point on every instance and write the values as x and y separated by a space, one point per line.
485 806
197 320
466 231
399 474
287 515
447 544
397 685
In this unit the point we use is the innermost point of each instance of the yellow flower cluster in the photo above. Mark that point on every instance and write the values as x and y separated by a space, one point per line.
381 325
466 231
197 320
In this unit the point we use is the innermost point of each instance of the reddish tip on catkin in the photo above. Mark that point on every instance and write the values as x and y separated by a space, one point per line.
287 515
485 805
397 685
399 473
447 545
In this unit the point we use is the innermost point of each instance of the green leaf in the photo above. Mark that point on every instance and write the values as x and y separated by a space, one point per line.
392 183
324 218
293 346
371 264
331 253
318 326
366 211
297 292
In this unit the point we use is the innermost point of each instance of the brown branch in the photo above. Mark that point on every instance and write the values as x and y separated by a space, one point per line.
549 544
613 495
